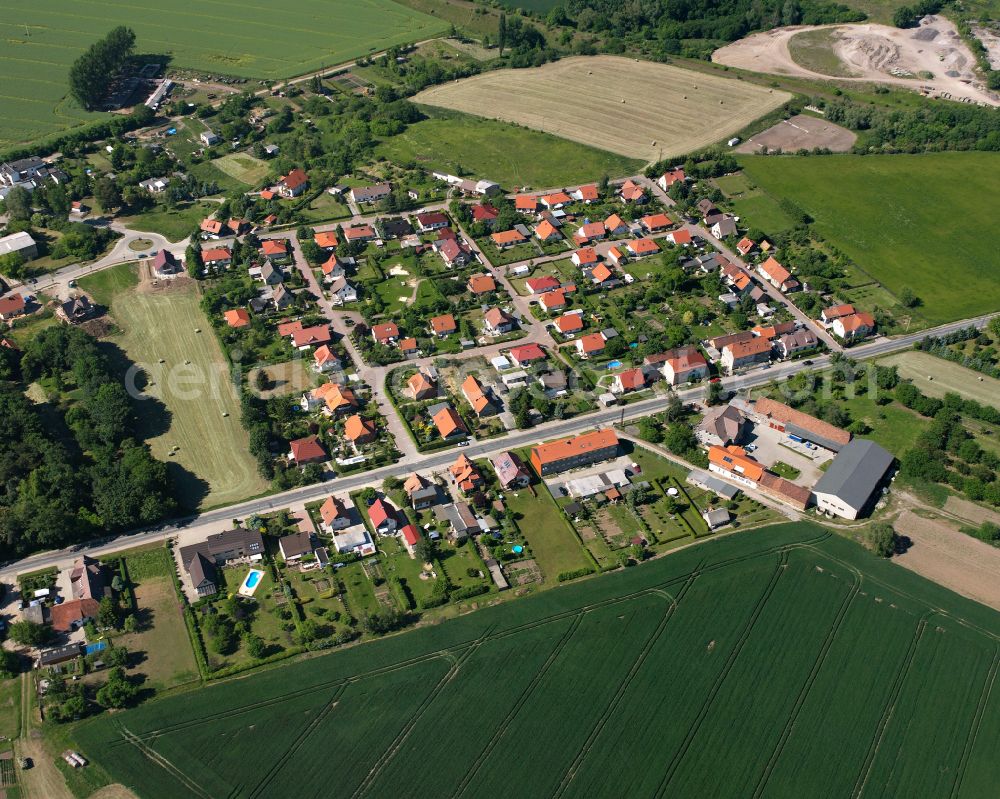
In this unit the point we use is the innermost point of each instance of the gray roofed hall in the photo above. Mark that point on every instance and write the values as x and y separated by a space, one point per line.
855 473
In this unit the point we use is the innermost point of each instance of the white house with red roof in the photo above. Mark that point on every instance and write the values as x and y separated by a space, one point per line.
668 179
629 380
385 333
854 326
382 516
775 274
540 285
527 354
584 257
293 184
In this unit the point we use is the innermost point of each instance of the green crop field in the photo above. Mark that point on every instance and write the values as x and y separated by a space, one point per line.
41 40
920 221
191 388
781 662
508 154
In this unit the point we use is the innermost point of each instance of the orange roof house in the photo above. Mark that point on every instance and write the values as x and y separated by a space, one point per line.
572 453
552 300
642 247
779 416
654 222
449 423
590 345
333 512
556 199
601 273
585 256
419 386
525 203
733 460
237 318
615 224
212 226
466 474
570 323
680 237
837 311
314 336
274 247
481 284
546 231
473 391
632 192
508 238
358 430
385 332
326 240
592 230
443 325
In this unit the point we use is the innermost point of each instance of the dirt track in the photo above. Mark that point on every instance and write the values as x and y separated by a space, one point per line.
955 560
877 53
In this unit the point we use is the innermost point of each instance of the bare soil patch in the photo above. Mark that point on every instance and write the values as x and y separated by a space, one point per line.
634 108
955 560
874 53
970 511
801 132
150 282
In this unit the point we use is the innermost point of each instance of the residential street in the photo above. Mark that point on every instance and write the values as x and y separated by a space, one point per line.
211 520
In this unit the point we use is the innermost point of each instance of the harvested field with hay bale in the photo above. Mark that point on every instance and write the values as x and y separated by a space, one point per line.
630 107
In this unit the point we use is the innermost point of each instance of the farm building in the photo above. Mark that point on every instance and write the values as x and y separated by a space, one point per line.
851 483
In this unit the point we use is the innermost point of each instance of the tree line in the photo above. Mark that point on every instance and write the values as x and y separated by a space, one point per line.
93 73
74 467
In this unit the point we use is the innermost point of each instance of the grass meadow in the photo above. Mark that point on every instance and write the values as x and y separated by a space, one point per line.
920 221
42 39
191 391
509 154
725 670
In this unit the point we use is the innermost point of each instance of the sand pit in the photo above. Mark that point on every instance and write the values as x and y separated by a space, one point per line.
801 132
990 37
871 53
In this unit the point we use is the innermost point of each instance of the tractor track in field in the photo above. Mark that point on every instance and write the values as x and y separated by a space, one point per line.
623 689
977 721
412 722
297 742
890 708
158 759
723 674
808 684
522 700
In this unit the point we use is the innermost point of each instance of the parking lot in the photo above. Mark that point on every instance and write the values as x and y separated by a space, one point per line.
770 446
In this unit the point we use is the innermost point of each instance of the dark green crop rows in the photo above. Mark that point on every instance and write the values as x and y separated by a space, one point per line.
783 662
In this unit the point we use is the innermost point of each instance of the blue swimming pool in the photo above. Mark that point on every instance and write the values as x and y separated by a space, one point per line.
250 582
614 364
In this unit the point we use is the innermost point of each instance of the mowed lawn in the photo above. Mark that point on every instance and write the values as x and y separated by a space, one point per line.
160 646
42 39
243 167
927 222
947 377
635 108
508 154
724 670
554 545
214 464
